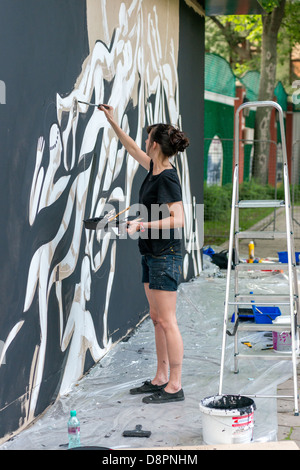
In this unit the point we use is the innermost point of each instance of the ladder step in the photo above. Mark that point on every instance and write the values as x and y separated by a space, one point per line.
261 203
271 299
266 355
246 326
261 267
261 235
269 396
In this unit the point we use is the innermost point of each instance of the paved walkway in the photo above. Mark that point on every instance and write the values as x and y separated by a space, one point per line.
270 248
288 424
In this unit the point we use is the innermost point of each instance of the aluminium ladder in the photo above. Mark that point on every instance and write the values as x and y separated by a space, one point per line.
292 298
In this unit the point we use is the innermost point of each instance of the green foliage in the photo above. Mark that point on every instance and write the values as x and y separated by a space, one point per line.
240 39
217 199
217 208
290 25
240 43
248 26
269 5
253 190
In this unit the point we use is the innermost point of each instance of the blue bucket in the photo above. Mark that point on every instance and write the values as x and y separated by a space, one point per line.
283 257
265 314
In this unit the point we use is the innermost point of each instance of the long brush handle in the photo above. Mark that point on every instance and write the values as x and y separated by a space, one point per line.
94 104
115 216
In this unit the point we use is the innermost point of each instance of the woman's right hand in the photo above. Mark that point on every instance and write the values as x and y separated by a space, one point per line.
108 110
131 146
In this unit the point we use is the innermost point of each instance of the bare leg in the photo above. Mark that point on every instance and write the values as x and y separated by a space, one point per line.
162 371
168 338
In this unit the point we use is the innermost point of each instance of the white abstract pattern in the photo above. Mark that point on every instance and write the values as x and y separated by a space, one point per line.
133 63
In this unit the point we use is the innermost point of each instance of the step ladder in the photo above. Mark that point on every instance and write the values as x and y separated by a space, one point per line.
291 299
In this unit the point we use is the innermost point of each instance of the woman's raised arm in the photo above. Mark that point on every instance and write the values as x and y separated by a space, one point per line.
132 148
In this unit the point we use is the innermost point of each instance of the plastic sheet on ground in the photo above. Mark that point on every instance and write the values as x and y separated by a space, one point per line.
105 407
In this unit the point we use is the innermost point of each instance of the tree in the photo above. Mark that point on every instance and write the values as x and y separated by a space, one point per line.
242 46
259 42
271 21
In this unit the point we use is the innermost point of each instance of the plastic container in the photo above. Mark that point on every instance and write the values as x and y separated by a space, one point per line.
73 430
283 257
265 314
251 252
227 419
208 251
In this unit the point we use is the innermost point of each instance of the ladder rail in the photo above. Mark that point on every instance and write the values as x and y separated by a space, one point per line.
291 260
259 104
234 189
234 228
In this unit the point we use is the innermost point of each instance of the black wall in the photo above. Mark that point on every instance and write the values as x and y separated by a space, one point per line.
38 58
43 46
191 91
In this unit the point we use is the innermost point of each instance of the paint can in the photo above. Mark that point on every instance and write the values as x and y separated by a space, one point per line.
251 252
227 419
282 342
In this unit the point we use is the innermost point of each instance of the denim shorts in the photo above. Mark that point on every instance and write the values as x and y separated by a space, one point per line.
162 272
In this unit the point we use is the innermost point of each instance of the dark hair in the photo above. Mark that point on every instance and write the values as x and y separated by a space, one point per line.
171 139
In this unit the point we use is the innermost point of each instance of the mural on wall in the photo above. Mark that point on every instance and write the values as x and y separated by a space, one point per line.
133 67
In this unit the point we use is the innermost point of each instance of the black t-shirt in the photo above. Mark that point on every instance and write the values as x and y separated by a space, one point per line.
155 193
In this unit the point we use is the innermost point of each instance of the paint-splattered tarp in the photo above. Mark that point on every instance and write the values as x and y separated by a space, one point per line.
106 408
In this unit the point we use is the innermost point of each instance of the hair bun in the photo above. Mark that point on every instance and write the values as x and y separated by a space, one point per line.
170 138
178 139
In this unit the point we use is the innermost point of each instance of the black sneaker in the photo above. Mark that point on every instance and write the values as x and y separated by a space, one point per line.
147 387
164 397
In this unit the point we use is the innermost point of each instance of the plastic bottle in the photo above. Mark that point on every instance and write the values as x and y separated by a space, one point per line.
73 430
251 252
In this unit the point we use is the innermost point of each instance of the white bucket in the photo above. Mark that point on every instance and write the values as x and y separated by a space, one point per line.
227 419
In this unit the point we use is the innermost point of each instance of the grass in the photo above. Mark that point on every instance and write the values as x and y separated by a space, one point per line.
289 436
217 209
217 231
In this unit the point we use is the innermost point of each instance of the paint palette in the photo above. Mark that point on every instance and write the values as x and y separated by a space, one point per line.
98 223
92 224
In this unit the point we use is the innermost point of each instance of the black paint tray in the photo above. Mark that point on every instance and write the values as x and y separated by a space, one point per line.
244 314
98 223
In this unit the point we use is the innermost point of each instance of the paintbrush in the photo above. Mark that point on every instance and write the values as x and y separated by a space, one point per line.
117 215
94 104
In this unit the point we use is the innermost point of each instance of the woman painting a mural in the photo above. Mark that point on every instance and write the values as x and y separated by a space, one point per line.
161 254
